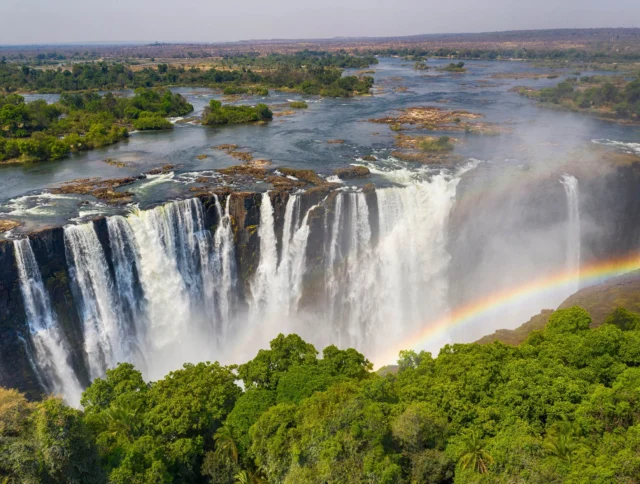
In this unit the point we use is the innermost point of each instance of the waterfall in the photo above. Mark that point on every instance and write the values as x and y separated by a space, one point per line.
166 290
570 184
105 340
172 247
219 272
225 250
277 287
333 255
261 287
380 291
52 350
361 272
126 262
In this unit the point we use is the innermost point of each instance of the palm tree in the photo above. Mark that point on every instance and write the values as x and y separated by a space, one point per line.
122 421
242 477
474 456
560 441
246 477
225 443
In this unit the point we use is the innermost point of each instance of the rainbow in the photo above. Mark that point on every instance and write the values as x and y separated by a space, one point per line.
465 315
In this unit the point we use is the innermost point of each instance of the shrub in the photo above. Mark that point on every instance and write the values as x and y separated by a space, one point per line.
443 143
150 122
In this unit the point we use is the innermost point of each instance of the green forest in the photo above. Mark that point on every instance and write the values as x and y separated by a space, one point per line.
37 131
562 407
310 74
621 98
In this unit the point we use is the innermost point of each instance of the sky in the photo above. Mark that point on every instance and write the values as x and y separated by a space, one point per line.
62 21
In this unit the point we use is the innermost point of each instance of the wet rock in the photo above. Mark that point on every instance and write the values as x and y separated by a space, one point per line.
6 225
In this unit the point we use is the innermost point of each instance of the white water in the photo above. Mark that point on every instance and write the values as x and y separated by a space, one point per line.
126 263
386 288
222 283
570 184
170 245
633 148
277 287
98 305
51 348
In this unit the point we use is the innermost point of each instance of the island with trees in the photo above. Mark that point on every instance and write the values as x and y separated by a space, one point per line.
605 97
37 131
216 113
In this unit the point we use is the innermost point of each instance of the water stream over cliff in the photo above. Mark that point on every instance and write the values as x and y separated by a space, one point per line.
50 352
570 184
161 287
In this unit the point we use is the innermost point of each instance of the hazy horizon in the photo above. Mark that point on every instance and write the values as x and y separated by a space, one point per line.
35 22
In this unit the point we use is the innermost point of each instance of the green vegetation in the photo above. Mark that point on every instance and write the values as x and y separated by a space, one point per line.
525 53
459 67
614 97
308 72
305 58
562 407
37 131
216 113
429 144
235 89
298 105
151 121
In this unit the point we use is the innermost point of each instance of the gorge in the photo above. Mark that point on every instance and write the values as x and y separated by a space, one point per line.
218 276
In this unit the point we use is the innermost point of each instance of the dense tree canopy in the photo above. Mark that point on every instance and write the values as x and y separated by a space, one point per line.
563 407
216 113
619 97
37 131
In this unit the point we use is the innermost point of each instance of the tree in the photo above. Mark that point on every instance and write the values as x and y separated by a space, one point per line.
560 441
569 320
225 443
265 369
474 456
624 319
14 412
248 408
65 443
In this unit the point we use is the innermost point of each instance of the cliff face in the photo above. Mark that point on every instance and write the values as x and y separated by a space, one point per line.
494 235
613 208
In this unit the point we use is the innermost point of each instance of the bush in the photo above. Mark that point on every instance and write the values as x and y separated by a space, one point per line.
260 91
231 90
151 122
443 143
298 105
